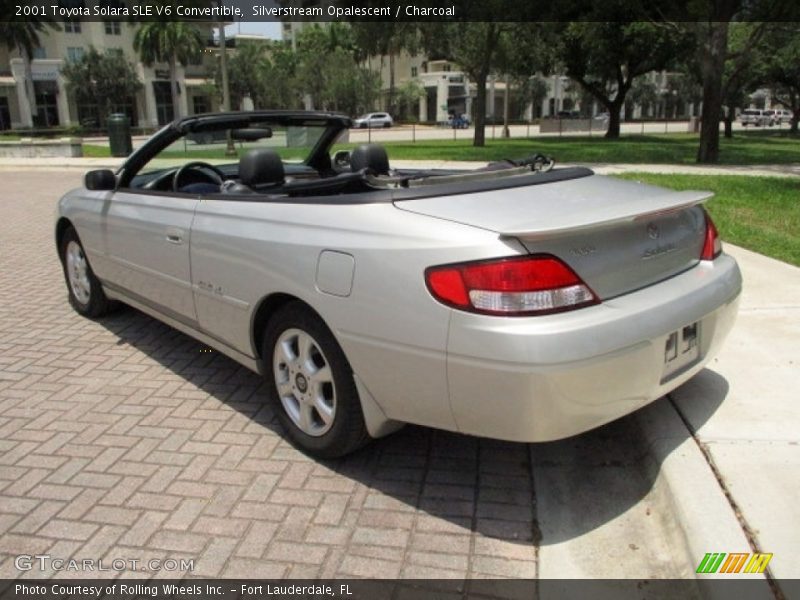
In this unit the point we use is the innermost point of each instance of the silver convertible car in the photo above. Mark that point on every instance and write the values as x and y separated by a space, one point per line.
517 301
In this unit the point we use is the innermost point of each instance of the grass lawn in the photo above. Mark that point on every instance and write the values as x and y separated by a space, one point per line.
758 213
743 149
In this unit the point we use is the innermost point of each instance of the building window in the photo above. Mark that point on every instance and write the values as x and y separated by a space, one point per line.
200 104
72 26
413 71
113 28
446 67
47 109
74 54
39 53
164 109
5 114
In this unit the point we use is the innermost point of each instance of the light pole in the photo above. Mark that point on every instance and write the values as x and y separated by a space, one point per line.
230 150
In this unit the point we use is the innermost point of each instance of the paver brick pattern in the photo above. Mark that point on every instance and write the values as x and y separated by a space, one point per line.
121 438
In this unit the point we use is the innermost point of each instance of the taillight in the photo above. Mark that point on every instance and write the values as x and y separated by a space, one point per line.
526 285
712 246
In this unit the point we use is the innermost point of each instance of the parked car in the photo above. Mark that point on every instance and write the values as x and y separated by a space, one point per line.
518 301
755 116
770 114
781 115
458 121
373 120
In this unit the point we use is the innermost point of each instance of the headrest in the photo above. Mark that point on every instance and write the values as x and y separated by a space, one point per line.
370 156
260 166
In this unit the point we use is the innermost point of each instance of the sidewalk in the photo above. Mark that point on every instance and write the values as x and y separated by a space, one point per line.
744 414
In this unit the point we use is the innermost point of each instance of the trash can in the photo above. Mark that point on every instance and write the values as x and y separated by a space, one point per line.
694 124
119 134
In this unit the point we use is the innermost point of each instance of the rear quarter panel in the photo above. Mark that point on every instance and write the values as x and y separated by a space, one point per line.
392 331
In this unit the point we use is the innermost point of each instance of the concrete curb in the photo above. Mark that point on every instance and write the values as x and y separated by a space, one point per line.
700 509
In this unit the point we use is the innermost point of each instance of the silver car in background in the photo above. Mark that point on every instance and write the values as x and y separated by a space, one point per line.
373 121
518 301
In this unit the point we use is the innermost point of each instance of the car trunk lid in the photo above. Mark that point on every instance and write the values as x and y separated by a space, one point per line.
617 235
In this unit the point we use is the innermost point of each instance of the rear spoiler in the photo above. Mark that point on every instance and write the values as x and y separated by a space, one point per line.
586 216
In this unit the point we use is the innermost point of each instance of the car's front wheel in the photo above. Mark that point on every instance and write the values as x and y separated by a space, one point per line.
311 384
85 292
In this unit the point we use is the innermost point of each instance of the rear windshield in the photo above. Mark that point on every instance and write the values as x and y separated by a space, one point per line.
751 112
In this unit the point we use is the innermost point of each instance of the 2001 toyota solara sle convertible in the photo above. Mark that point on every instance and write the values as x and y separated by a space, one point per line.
517 301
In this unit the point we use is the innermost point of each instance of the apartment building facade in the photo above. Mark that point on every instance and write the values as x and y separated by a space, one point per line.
150 108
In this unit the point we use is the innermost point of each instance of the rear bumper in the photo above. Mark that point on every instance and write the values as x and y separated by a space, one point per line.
545 378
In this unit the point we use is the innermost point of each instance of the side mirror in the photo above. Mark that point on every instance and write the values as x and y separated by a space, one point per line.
341 158
100 180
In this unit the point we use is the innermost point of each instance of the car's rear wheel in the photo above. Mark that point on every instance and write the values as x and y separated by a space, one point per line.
85 292
311 384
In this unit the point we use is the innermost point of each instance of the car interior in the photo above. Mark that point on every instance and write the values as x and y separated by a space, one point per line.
271 164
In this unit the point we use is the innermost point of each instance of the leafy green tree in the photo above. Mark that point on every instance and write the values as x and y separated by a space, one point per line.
719 66
479 49
105 80
171 42
531 89
328 71
248 68
23 37
605 58
644 93
782 66
386 38
408 96
685 88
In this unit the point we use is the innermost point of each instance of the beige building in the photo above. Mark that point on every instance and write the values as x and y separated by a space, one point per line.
151 107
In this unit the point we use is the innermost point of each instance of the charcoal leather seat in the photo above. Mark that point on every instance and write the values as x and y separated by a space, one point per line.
371 157
259 170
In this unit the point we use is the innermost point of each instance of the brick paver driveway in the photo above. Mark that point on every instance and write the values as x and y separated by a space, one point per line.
124 439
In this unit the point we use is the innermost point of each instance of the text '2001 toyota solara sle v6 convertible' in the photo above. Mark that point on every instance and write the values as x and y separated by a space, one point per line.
517 301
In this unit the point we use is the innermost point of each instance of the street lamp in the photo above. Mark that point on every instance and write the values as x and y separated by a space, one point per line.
230 150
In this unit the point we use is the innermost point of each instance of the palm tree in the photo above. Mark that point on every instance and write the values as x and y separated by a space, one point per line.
23 36
172 42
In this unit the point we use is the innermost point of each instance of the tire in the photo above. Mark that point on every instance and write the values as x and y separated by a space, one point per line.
310 384
86 294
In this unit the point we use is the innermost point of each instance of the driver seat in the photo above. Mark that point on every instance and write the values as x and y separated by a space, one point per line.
259 168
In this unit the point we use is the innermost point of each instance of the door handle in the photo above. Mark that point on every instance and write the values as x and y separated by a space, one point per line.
174 236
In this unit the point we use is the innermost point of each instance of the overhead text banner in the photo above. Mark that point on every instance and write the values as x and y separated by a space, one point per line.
383 10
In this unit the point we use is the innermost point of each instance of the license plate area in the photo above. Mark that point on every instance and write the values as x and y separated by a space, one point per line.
681 350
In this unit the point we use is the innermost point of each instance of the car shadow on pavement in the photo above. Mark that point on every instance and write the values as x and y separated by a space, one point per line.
527 495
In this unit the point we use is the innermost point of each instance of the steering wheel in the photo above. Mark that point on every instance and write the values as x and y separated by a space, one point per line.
205 169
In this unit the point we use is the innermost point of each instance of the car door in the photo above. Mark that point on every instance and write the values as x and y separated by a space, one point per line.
147 236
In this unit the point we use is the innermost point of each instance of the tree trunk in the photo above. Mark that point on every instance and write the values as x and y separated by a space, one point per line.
30 91
729 112
391 107
712 67
173 78
613 121
479 138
